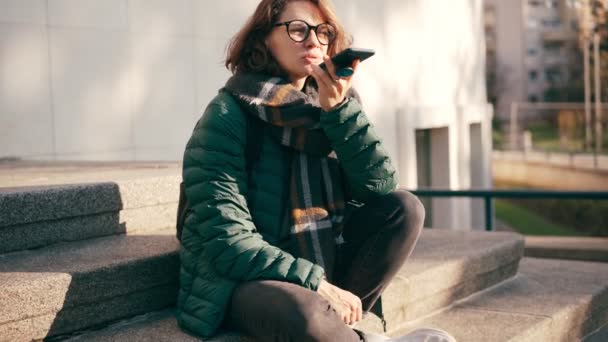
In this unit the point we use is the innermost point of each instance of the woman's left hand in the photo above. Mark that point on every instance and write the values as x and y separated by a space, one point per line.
332 89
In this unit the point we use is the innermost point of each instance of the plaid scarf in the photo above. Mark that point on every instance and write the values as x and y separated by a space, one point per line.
317 197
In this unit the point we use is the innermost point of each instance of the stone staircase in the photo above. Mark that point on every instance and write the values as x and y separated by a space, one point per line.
99 262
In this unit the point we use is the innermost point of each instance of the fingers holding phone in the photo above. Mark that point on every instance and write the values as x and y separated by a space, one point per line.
334 76
340 72
343 61
332 90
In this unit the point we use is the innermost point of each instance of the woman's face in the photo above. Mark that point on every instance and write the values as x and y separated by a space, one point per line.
292 56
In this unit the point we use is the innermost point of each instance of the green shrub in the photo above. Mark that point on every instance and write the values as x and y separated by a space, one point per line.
528 222
588 217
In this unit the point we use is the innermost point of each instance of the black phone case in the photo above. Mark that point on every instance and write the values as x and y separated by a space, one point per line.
346 57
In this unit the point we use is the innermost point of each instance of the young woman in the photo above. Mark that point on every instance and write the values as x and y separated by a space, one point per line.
277 250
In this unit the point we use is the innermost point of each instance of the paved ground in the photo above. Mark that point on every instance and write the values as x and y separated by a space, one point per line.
31 173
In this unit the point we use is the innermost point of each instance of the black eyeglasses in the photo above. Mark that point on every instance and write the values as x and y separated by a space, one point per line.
299 30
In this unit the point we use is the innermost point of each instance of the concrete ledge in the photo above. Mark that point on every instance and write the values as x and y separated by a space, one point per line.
157 326
34 217
19 173
572 248
56 326
138 221
146 220
447 266
545 175
70 286
579 161
550 300
40 234
36 204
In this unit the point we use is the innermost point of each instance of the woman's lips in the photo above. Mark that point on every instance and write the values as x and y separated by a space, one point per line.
312 58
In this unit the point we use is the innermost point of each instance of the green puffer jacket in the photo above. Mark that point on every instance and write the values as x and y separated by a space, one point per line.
222 245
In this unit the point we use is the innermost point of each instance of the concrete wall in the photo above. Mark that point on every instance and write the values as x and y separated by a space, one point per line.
127 79
109 79
557 171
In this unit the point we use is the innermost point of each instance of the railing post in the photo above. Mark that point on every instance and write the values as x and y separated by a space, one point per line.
489 216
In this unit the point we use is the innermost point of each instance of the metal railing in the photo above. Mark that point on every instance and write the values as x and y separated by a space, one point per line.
488 195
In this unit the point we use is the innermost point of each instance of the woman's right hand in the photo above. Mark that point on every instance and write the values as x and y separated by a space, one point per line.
347 305
332 89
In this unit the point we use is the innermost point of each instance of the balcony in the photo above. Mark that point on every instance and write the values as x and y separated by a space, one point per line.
558 35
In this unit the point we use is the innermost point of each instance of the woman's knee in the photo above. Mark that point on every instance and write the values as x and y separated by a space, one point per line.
315 319
319 320
295 313
412 207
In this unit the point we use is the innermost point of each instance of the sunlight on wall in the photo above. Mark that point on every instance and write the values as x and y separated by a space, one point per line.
129 79
20 58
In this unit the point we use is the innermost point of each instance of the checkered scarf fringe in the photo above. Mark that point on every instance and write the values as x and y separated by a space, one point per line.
317 197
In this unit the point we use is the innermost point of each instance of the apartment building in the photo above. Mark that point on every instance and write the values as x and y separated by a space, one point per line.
531 47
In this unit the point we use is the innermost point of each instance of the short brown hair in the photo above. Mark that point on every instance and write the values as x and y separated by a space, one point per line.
247 51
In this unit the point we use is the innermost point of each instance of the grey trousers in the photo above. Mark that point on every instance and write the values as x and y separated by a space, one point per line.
379 237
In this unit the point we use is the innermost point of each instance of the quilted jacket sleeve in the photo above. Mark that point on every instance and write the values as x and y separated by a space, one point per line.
216 186
366 164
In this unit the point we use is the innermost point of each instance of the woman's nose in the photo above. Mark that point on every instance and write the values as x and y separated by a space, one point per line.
312 39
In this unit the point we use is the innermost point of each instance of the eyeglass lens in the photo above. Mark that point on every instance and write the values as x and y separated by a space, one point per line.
299 31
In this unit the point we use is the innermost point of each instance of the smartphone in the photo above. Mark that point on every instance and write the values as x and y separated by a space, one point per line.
344 60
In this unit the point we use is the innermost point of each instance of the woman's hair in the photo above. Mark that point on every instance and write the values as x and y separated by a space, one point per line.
247 51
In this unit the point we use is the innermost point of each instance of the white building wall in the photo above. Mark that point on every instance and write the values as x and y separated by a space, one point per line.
127 79
109 79
429 74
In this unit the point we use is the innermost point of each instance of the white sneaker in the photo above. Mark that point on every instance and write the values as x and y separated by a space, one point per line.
369 337
418 335
426 335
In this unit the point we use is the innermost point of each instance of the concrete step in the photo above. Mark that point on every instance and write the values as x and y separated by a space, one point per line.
38 216
156 326
73 286
572 248
445 266
549 300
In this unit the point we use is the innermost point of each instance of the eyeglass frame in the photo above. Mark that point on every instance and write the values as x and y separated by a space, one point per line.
310 28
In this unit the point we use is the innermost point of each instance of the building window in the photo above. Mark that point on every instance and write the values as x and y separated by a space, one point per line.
423 169
490 17
553 75
532 51
552 48
574 25
533 98
573 3
552 23
533 75
551 3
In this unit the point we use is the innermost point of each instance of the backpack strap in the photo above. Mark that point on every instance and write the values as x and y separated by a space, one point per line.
182 210
253 144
